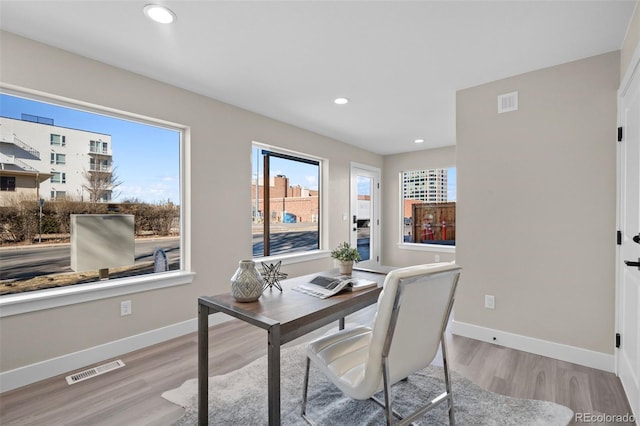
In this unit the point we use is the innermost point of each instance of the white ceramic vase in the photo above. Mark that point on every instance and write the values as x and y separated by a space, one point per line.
247 282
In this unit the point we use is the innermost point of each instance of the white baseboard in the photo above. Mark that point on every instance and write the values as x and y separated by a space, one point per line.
28 374
572 354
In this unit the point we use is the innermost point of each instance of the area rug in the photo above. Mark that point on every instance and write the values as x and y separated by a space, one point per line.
240 398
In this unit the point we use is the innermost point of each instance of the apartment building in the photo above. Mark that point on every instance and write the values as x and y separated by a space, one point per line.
41 160
429 186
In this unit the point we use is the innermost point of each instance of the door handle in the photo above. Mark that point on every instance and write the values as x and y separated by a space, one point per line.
636 239
632 263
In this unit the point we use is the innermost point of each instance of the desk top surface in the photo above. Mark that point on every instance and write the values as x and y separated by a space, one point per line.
292 309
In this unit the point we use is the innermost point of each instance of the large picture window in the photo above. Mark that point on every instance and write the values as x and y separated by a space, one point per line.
110 165
286 202
428 204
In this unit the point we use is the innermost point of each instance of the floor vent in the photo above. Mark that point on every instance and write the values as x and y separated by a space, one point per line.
95 371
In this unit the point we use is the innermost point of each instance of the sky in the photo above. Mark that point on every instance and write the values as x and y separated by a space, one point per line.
452 184
305 175
146 158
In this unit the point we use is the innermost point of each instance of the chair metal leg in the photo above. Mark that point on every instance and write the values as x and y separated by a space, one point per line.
388 398
447 395
381 404
305 388
447 379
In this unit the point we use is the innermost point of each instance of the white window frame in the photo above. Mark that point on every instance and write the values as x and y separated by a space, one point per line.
439 248
62 177
63 140
19 303
55 158
322 252
98 147
55 194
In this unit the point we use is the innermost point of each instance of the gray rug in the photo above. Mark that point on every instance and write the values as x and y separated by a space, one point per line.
240 398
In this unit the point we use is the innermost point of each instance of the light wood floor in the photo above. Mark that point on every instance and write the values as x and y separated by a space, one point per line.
131 395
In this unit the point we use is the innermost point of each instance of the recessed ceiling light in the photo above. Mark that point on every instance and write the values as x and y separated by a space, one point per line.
159 14
341 101
418 141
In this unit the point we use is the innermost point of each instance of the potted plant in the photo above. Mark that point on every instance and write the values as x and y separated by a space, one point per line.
346 257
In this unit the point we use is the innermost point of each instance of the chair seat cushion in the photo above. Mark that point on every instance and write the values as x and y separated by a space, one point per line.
342 357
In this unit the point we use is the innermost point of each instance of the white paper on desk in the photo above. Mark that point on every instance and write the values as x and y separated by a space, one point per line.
360 284
343 283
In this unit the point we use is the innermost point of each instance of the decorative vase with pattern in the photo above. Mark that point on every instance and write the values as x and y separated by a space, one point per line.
246 283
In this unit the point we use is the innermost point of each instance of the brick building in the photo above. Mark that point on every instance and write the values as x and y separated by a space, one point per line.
288 203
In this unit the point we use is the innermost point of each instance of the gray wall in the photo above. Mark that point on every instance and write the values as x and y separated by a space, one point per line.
221 137
537 204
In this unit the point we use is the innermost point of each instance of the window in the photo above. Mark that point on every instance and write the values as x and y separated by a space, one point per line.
95 164
58 140
58 177
429 216
286 202
146 188
98 147
58 158
7 183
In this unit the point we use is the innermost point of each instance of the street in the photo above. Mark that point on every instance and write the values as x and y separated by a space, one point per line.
36 260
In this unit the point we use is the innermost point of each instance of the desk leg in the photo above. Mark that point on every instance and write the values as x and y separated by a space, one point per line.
203 365
273 374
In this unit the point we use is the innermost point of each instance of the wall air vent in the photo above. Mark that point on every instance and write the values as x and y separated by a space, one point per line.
96 371
508 102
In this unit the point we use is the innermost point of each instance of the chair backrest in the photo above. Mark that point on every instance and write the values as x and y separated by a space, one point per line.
413 310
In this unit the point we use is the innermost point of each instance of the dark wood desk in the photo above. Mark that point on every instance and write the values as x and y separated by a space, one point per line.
286 316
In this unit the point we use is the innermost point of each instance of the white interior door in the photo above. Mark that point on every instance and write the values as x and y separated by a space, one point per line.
628 268
365 214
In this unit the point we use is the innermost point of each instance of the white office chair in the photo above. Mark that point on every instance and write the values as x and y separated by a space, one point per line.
412 314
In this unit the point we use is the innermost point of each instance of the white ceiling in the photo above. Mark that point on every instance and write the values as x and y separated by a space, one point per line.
400 63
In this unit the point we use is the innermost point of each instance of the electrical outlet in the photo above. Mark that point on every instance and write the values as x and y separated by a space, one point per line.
489 301
125 308
437 258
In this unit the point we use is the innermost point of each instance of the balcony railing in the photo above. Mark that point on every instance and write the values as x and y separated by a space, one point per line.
21 144
99 168
101 151
11 159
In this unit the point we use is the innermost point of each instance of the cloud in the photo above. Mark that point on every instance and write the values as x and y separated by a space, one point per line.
159 191
312 182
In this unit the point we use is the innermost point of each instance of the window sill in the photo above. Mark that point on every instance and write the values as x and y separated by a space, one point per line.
289 258
427 247
20 303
